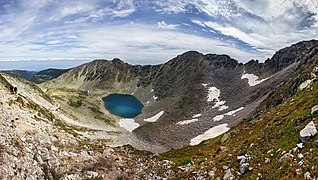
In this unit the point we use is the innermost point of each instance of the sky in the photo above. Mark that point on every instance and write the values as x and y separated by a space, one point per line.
151 32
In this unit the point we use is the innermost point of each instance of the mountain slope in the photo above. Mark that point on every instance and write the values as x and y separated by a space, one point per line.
37 142
190 84
270 143
37 77
262 120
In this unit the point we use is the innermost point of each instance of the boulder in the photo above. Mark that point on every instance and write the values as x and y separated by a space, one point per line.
267 160
300 145
314 109
243 168
308 132
307 175
228 174
92 174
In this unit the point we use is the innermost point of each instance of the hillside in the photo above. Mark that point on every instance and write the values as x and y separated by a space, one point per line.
192 91
37 77
39 142
218 119
266 146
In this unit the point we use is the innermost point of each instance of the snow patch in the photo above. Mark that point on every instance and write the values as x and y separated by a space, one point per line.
152 90
218 117
155 97
252 79
214 94
128 124
230 113
197 115
187 121
218 104
223 107
155 117
211 133
204 84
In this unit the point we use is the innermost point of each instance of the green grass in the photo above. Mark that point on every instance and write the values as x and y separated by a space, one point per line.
75 103
276 128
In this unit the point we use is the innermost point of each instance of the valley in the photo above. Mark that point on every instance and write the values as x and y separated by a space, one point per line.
201 115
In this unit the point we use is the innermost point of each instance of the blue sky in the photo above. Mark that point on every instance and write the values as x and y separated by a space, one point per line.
151 32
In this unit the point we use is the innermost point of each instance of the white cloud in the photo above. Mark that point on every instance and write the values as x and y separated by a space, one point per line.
144 44
75 9
54 42
198 22
164 25
265 26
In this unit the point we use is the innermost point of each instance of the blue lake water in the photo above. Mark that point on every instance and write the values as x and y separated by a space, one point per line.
123 105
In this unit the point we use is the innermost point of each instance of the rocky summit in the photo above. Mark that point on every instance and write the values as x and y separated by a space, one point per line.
204 117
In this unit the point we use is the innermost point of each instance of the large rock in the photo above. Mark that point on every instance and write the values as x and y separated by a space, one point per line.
228 174
308 132
314 109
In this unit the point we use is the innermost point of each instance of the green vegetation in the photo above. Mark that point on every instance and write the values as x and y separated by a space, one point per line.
75 103
266 136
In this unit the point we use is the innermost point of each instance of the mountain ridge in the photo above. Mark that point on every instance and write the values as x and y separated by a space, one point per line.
177 88
261 120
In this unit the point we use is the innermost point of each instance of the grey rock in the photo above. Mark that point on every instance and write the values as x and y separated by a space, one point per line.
243 168
92 174
314 109
307 175
228 174
300 145
285 156
211 173
267 160
309 131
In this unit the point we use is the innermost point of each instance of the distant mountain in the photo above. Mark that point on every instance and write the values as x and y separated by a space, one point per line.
47 74
37 77
214 86
21 73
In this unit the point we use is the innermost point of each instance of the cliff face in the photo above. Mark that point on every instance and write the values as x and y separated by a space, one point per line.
192 83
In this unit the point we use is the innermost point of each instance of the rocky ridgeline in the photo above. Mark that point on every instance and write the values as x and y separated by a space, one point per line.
34 147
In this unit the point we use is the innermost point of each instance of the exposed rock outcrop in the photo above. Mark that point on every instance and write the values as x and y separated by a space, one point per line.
308 132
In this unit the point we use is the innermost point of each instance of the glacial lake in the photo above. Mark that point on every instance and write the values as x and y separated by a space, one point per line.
123 105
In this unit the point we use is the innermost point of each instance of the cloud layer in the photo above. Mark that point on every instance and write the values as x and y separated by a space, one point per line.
143 32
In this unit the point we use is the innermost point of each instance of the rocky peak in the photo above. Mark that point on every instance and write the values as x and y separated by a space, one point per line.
289 55
117 61
221 61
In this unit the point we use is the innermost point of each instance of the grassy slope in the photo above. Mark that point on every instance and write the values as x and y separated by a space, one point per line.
260 137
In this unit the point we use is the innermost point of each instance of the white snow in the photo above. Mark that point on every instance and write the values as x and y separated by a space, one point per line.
214 94
223 107
155 117
128 124
187 121
211 133
204 84
155 97
197 115
252 79
230 113
218 118
218 104
152 90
